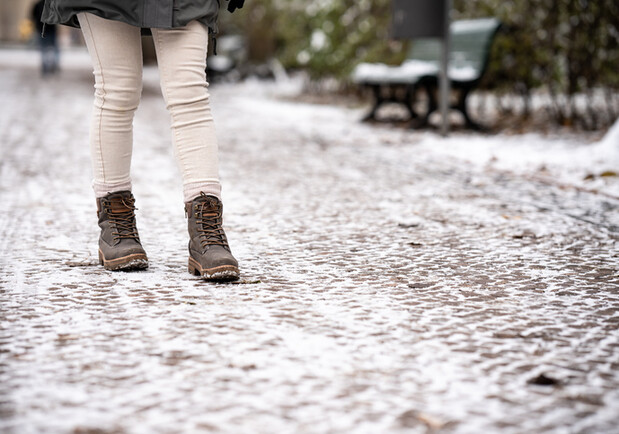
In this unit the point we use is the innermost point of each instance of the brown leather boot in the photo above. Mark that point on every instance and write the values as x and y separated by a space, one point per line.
119 243
209 253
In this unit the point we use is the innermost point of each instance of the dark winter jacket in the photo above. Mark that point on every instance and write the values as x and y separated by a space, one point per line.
35 14
163 14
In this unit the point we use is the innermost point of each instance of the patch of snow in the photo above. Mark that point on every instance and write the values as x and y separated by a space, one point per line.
318 40
565 160
409 72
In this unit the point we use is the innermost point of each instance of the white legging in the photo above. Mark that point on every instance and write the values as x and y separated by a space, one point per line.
116 52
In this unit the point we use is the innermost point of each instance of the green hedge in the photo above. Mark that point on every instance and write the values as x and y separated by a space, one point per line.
566 47
325 37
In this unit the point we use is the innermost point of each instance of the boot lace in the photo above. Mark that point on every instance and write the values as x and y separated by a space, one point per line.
209 223
123 220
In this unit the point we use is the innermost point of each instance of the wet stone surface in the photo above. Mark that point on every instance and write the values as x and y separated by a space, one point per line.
384 288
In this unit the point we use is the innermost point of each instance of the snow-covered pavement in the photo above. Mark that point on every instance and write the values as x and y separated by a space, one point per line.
392 280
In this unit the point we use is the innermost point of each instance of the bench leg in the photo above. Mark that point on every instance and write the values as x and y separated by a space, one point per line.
461 107
411 92
432 106
378 101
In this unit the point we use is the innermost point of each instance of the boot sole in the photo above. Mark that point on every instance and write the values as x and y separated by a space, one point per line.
222 273
136 261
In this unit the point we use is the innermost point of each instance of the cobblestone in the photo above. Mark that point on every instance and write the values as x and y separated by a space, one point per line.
385 288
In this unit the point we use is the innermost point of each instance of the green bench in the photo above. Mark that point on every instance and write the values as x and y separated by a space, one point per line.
471 41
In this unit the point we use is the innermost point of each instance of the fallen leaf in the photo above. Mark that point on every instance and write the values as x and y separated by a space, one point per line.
543 380
525 234
408 225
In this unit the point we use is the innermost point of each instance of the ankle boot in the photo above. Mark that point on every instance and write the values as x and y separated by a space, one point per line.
119 243
209 253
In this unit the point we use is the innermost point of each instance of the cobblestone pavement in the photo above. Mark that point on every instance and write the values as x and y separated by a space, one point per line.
384 288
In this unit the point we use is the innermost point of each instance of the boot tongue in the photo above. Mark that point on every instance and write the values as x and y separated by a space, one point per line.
209 210
117 206
209 204
120 203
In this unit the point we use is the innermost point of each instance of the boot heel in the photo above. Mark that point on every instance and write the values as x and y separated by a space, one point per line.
100 258
192 270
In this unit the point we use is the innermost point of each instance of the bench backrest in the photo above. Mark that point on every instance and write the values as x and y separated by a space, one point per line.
470 44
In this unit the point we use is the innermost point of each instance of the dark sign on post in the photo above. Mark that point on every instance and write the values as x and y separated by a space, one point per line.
427 19
418 19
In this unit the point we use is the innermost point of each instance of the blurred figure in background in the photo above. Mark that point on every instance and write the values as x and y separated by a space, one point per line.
48 42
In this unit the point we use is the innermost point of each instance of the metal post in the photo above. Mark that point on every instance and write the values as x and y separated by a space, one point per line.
445 84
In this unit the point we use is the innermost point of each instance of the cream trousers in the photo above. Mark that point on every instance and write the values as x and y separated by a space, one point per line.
116 52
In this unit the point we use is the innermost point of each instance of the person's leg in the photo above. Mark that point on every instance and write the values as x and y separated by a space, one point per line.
50 53
116 52
43 47
181 55
55 54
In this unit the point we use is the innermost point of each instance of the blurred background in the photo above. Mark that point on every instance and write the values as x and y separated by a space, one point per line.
555 58
552 65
